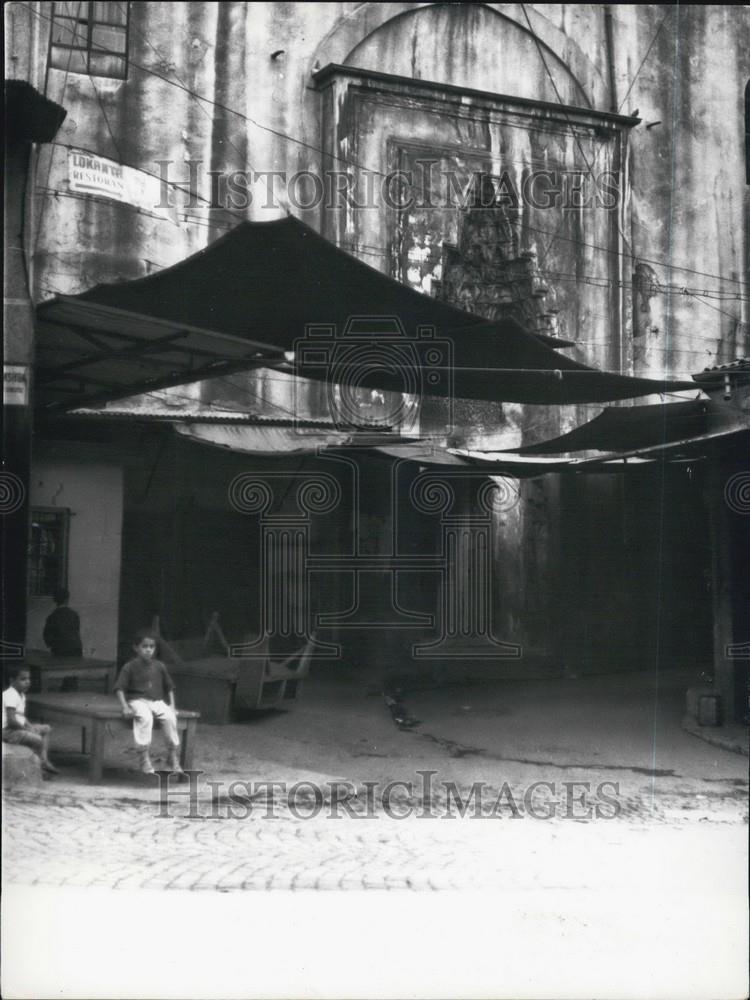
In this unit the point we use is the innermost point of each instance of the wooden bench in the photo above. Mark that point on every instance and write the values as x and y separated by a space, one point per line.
94 713
44 667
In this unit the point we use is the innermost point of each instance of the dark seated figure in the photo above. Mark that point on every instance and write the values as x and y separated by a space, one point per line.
62 629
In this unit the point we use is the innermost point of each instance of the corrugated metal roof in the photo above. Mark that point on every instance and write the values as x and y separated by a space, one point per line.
738 365
277 440
159 411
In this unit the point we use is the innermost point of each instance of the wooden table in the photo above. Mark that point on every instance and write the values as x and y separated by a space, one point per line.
45 667
94 712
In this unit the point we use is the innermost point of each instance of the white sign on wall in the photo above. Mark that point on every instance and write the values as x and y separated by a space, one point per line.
15 385
96 175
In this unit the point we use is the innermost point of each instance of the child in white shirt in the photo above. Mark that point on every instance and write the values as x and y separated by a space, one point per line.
16 727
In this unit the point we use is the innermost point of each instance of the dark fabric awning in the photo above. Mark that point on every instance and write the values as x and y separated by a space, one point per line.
29 115
624 439
490 361
253 295
629 428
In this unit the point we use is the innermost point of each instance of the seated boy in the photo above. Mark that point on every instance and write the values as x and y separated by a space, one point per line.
16 728
143 687
62 629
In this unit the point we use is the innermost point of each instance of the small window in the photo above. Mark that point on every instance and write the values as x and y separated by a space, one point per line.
48 551
90 38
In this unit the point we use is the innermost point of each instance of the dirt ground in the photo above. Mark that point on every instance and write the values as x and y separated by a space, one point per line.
622 728
650 902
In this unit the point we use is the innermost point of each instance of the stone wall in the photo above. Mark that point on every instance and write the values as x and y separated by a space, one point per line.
648 283
686 174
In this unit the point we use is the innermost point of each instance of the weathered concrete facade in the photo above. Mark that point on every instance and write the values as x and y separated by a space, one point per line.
640 229
685 180
91 490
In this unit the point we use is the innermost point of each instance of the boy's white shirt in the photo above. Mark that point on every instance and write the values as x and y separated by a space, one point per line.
14 699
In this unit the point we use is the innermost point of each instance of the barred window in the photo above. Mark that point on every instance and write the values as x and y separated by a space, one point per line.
48 550
90 38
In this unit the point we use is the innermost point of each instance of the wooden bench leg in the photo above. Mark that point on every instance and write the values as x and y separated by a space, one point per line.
96 759
188 745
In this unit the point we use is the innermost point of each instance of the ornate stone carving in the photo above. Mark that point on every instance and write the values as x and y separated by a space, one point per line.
487 273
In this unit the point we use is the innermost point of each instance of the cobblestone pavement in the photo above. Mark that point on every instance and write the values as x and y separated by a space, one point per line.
634 903
114 843
679 806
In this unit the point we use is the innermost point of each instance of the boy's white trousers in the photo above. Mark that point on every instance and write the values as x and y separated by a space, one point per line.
143 723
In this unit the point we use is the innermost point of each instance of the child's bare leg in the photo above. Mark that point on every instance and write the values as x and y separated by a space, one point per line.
43 733
35 742
37 739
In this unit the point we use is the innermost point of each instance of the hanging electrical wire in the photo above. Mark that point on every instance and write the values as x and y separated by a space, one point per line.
350 162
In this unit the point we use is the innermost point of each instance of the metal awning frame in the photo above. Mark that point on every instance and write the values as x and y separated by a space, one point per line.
94 324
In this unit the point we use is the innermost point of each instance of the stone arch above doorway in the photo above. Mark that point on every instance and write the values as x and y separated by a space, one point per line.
374 37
